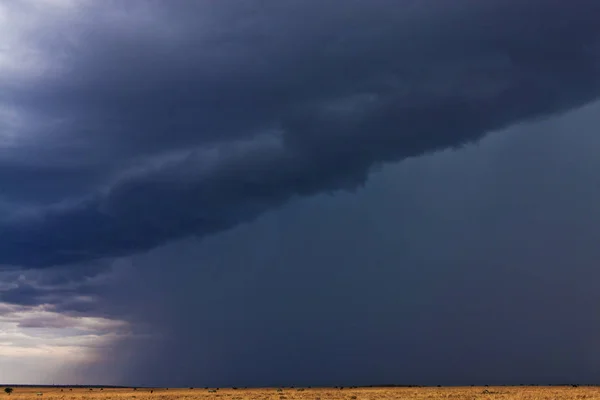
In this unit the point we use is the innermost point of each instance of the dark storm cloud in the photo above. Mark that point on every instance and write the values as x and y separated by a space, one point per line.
70 291
469 267
62 299
193 117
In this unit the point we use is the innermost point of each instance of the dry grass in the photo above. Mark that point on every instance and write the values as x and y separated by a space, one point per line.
471 393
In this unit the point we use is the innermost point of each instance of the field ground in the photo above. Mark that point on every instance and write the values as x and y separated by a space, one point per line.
429 393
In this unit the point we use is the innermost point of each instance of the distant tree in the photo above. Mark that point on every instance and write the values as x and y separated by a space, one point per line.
8 390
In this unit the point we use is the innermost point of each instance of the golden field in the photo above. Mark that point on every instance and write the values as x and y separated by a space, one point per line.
429 393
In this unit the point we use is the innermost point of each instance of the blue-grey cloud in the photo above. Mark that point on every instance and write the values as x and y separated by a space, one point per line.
69 291
468 267
158 121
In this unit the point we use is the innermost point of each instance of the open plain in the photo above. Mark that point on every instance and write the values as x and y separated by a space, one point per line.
370 393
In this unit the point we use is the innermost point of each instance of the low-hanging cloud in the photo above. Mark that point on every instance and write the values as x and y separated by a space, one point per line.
177 119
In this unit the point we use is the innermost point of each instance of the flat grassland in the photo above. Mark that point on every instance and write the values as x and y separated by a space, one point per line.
425 393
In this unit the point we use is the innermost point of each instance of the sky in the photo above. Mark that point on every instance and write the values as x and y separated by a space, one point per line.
299 192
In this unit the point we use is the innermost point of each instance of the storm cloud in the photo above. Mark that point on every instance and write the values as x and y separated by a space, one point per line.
475 266
297 192
157 121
